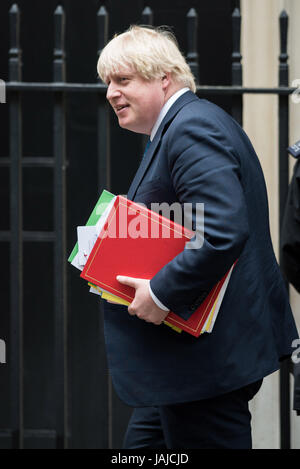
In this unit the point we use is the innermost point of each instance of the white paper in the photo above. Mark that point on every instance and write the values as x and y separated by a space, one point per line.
95 291
219 301
77 261
86 236
102 220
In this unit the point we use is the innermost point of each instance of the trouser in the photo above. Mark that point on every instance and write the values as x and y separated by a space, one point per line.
222 422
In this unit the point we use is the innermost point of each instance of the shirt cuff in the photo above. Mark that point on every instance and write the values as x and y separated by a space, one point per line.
156 301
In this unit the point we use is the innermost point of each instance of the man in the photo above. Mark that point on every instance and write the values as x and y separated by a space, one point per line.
290 235
290 252
187 392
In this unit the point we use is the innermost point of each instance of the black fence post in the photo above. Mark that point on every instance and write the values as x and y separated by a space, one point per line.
285 431
16 238
147 20
147 16
60 255
237 70
103 111
104 182
192 39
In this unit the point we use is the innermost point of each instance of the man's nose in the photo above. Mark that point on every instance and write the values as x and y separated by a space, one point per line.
112 92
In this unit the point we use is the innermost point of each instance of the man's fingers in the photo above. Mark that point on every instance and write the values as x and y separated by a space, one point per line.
131 310
129 281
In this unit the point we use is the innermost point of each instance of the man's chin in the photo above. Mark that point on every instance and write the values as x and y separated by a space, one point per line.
127 126
124 124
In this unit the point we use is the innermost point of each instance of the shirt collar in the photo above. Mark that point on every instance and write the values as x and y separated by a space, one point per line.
165 109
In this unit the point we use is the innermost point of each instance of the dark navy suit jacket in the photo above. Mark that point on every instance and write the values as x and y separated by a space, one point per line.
201 155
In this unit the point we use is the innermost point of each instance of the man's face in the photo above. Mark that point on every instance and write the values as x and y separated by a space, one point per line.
137 102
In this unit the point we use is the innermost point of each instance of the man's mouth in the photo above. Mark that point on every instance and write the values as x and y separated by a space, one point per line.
121 107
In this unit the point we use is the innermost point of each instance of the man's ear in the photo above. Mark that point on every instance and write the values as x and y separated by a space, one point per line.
166 80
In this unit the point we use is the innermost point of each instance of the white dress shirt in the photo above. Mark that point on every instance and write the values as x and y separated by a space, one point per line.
159 120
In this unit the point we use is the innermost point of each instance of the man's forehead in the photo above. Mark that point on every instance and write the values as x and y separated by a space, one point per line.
121 70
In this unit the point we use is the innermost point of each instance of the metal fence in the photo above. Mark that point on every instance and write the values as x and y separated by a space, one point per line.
16 162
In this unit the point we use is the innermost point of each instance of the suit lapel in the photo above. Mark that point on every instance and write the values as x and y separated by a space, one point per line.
182 101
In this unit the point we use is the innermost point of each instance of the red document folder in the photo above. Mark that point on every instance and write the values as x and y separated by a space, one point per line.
137 242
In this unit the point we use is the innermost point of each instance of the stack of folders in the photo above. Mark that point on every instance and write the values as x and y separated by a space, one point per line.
122 237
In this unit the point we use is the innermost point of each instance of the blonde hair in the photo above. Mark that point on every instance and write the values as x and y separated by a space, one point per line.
151 52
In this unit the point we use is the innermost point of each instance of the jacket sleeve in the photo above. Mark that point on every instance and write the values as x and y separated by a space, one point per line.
204 170
290 233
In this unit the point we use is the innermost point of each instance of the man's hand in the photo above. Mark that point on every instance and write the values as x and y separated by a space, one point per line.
142 305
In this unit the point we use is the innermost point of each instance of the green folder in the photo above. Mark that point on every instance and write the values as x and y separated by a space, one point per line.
99 208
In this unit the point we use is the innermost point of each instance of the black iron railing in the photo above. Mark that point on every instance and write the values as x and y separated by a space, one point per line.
58 163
